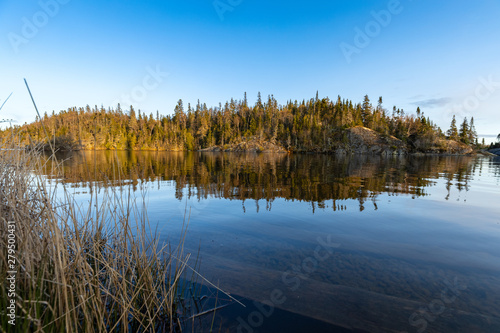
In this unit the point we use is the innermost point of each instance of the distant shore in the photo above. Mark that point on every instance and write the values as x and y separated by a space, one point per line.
356 140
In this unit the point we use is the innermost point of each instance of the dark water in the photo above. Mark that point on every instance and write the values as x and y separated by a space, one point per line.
327 244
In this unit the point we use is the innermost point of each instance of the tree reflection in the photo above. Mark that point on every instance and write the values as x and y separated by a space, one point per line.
311 178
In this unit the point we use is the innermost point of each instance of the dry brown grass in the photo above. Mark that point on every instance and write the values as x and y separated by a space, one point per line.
94 268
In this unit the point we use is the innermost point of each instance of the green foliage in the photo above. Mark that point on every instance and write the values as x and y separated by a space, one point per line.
464 132
309 125
189 141
453 132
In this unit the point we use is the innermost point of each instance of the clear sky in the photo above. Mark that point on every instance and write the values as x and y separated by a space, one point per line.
440 55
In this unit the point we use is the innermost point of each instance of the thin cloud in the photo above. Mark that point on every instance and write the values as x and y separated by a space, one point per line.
433 102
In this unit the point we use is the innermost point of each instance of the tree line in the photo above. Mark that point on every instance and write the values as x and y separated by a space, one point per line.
310 125
466 134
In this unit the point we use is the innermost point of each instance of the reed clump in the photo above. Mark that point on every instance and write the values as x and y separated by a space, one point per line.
93 267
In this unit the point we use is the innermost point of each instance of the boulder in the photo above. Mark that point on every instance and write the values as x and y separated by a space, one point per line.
362 140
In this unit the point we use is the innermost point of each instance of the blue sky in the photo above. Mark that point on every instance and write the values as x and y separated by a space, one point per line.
443 56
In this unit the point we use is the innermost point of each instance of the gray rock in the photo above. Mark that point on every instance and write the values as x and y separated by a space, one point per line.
495 151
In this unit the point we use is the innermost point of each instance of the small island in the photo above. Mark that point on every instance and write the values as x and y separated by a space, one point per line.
317 125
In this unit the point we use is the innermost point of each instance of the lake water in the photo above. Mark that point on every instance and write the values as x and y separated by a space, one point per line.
317 243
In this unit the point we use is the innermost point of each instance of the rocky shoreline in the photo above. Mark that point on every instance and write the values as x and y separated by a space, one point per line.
495 151
251 146
356 140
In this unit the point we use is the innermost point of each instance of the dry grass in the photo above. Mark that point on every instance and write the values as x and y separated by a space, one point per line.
94 268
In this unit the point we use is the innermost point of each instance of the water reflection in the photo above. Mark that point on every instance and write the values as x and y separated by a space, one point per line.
408 228
311 178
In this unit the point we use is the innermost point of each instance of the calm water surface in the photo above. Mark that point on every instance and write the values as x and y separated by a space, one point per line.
316 243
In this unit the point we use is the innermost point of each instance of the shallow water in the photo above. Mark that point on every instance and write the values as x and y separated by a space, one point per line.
333 244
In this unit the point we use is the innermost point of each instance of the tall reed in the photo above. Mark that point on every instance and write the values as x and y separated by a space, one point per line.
96 267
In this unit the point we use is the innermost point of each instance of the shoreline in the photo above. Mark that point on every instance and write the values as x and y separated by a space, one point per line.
300 152
355 140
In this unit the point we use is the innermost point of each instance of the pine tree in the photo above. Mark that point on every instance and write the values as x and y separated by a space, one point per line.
464 131
472 131
259 101
132 124
366 111
379 106
313 124
245 101
179 116
453 132
179 108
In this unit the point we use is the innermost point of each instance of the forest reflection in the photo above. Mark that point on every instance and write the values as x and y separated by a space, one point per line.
311 177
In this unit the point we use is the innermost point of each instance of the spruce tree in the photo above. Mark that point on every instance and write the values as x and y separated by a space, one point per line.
366 111
472 131
464 131
313 124
453 132
132 124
